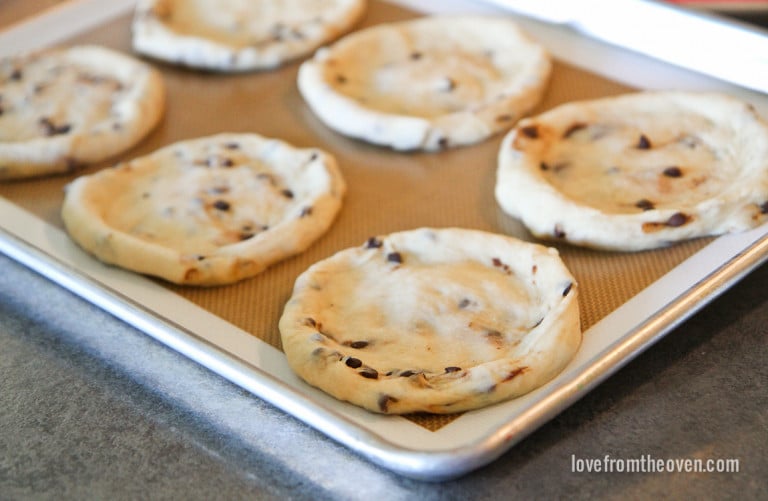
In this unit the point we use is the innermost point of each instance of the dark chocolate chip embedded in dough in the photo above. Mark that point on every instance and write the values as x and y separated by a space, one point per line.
531 131
394 257
305 212
16 74
567 289
644 204
52 129
514 373
310 322
442 142
231 146
353 362
358 345
643 143
415 56
464 303
673 171
221 205
408 373
384 401
287 193
373 243
677 219
452 369
764 208
369 373
559 232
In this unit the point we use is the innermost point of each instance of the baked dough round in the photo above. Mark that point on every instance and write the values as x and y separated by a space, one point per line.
637 171
207 211
66 107
239 35
427 84
433 320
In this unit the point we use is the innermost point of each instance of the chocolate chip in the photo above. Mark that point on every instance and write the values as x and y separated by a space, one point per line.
310 322
677 219
52 129
544 166
306 211
369 373
558 232
313 156
394 257
764 208
384 401
531 131
497 262
246 236
415 56
464 303
353 362
358 344
221 205
643 143
231 146
373 243
16 74
452 369
644 204
567 289
673 171
408 373
287 193
442 142
574 128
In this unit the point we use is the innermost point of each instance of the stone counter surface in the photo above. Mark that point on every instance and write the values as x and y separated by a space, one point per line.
90 408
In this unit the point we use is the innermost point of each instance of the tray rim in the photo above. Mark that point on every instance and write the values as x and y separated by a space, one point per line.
29 245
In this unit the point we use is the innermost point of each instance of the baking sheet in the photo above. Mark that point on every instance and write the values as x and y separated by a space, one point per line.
625 302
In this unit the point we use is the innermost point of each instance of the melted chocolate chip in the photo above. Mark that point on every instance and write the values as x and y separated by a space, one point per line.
544 166
452 369
373 243
369 373
246 235
221 205
567 289
531 131
394 257
287 193
384 401
358 344
408 373
643 143
353 362
52 129
677 219
672 171
644 204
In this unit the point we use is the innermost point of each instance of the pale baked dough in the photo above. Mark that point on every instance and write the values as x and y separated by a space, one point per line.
207 211
427 84
239 35
66 107
637 171
433 320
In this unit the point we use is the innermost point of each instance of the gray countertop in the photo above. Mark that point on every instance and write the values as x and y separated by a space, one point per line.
92 408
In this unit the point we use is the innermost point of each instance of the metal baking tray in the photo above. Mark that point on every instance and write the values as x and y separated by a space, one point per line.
628 301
